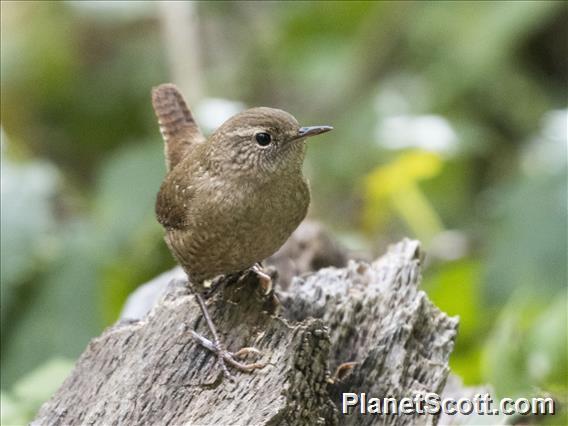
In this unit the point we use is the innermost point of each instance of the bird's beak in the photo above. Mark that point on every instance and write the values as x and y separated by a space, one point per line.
305 132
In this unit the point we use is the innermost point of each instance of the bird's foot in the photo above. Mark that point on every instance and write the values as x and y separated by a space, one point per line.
263 278
227 358
231 359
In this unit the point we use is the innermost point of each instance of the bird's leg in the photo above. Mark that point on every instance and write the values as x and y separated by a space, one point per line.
263 278
265 284
216 342
225 357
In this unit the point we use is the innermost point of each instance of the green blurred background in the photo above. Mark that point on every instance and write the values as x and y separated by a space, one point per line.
450 119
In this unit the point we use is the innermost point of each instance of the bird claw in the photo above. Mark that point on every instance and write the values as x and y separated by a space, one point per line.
264 279
243 352
227 358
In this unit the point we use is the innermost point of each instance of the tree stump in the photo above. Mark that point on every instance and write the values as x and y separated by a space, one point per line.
149 370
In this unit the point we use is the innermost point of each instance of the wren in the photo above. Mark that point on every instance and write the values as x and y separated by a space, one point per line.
231 200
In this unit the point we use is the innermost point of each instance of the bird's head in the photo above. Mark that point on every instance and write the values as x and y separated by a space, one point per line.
262 141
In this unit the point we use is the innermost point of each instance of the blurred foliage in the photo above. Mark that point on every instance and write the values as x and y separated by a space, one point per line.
20 404
450 122
395 185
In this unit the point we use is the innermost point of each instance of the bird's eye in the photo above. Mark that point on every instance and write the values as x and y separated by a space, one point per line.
263 139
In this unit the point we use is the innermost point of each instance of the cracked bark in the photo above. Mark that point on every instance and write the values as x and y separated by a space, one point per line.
149 370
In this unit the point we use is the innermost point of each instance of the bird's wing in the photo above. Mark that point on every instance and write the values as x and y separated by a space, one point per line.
175 202
170 207
179 130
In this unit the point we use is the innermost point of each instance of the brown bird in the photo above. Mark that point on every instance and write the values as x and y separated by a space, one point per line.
232 200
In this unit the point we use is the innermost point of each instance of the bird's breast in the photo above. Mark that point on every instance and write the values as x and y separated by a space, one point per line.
264 217
240 225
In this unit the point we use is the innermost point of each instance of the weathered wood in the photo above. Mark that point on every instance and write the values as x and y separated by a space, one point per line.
151 371
378 318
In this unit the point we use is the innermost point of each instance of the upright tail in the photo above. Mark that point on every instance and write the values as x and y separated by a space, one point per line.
178 128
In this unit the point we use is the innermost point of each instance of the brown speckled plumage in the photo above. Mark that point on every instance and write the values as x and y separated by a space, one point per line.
227 202
178 128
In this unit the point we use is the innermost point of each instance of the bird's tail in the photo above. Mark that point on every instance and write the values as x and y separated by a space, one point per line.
177 125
